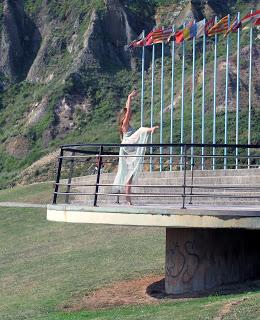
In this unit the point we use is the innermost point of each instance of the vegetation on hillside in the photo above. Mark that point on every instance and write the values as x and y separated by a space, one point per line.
106 89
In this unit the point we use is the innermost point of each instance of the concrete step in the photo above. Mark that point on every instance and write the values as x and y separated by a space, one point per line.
105 199
241 178
170 174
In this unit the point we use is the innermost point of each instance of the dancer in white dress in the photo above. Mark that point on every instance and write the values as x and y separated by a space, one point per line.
130 166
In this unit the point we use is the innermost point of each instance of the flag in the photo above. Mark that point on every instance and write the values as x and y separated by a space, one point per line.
183 34
200 28
179 36
190 31
193 30
149 39
172 34
138 42
209 24
162 36
158 35
251 18
235 25
186 33
219 27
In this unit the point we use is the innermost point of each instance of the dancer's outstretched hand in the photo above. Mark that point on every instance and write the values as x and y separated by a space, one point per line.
133 94
154 128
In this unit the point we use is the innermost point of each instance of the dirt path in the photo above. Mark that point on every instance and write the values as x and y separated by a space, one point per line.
227 308
22 205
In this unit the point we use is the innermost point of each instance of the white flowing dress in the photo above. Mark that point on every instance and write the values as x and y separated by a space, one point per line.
130 166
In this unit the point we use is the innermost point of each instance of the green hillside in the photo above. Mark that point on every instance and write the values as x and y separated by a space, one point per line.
68 96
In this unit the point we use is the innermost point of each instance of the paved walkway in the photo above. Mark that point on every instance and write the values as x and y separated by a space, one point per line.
22 205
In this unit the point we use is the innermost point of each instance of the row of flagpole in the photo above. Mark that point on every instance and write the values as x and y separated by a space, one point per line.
214 138
249 94
196 30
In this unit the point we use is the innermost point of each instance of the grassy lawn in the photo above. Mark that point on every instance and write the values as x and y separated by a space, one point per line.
44 265
33 193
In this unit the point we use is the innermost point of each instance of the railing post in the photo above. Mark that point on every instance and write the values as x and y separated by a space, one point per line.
192 179
54 201
184 177
70 177
98 174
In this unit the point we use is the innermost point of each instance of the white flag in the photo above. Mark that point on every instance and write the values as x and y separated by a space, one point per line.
200 28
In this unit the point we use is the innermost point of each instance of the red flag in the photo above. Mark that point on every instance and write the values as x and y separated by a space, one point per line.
158 35
138 42
162 36
253 18
209 24
171 36
179 36
219 27
149 37
235 25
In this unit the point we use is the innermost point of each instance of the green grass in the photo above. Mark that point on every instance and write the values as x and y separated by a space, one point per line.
33 193
44 265
200 309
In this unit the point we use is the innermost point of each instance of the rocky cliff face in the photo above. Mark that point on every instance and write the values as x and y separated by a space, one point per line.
64 71
29 45
19 41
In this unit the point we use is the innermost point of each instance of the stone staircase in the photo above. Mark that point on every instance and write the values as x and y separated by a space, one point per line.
205 181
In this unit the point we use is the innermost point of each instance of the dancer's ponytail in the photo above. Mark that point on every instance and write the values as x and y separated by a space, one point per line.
121 119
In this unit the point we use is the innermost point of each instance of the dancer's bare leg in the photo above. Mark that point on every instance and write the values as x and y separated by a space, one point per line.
128 191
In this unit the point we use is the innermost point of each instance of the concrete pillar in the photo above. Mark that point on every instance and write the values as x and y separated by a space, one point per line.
199 259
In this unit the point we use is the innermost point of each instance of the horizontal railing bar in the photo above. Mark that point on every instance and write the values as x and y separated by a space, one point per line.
160 155
247 187
216 145
120 185
122 194
210 195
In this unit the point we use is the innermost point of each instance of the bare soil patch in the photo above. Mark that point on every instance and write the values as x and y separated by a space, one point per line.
132 292
150 290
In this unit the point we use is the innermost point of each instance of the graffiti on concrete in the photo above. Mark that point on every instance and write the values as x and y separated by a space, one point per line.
183 263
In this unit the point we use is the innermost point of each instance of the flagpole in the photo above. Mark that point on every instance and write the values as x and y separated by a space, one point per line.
238 84
152 105
182 98
214 97
172 100
162 106
192 96
203 98
226 98
142 92
249 94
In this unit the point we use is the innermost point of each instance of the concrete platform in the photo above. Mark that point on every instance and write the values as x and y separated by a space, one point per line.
206 246
159 216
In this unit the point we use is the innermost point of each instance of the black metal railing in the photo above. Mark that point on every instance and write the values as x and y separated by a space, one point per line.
78 160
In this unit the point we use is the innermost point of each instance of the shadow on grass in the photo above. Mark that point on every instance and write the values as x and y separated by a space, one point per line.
157 290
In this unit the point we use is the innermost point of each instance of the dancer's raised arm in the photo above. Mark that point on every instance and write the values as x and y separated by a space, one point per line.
128 113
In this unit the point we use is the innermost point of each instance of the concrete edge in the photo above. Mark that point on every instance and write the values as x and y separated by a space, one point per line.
187 220
159 210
